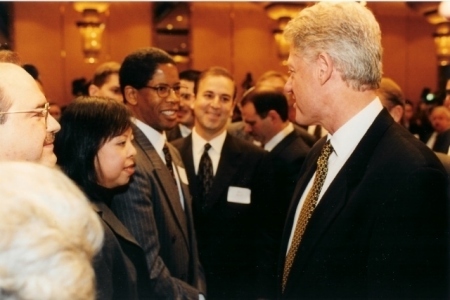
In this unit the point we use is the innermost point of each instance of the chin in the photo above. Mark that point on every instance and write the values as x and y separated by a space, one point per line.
48 160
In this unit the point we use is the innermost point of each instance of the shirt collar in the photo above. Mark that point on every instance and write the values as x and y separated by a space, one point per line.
184 130
199 143
346 138
279 137
156 138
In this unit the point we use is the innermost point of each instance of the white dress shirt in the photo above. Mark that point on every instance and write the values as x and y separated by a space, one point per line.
184 130
278 137
344 141
198 146
158 139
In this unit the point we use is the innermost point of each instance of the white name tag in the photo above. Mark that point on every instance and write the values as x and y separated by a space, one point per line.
238 195
182 174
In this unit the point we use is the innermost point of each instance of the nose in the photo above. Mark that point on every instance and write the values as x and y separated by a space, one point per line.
52 124
132 151
288 86
216 102
173 97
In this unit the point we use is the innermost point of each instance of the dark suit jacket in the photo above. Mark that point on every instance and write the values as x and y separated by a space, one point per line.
151 210
227 232
381 228
442 142
120 268
287 159
174 133
309 139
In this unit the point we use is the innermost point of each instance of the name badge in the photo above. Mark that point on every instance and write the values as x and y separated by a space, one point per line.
238 195
182 174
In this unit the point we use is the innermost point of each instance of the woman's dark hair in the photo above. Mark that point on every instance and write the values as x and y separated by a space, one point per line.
86 125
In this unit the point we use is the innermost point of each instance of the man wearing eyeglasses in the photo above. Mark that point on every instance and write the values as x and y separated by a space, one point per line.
156 206
26 129
185 114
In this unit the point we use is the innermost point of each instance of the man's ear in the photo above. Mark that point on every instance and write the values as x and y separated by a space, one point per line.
93 90
325 67
273 115
397 113
130 94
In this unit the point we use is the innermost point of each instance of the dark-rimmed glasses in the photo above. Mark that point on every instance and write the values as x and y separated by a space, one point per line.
163 91
41 112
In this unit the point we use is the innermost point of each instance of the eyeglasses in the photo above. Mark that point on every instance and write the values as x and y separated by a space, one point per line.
163 91
40 112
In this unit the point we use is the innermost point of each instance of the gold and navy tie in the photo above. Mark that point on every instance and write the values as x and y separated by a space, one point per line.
307 209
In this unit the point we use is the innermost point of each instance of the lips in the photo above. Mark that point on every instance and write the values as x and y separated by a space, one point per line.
129 169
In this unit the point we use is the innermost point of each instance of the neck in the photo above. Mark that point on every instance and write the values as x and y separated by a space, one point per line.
208 135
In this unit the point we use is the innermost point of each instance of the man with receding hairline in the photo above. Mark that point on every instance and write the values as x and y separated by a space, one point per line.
27 130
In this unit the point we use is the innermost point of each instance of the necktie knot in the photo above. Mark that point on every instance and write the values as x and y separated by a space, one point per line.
207 147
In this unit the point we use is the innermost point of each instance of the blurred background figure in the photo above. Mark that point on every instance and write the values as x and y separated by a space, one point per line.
34 72
392 98
49 235
94 149
105 82
55 110
440 138
185 115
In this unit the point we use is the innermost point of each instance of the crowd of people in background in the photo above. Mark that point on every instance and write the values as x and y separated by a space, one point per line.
159 184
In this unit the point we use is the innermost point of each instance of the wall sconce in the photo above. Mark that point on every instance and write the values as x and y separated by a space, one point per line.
283 12
91 28
436 13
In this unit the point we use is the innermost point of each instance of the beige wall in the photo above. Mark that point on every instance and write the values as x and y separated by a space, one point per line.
235 35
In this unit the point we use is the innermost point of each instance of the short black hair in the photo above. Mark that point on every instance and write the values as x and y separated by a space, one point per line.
138 68
190 75
86 125
265 100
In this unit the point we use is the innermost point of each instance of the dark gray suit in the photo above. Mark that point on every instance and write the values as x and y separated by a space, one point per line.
151 210
380 229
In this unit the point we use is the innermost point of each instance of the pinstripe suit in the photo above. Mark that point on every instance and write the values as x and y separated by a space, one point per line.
151 210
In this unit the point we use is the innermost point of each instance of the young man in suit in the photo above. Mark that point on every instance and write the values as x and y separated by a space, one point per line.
229 180
265 114
185 114
156 206
372 222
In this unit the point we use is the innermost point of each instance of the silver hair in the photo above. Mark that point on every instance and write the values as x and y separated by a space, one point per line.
348 32
49 235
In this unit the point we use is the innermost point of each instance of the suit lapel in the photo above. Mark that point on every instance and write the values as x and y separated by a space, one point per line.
164 178
116 226
337 194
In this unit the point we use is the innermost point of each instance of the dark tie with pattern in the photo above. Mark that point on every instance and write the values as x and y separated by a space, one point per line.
205 172
307 208
168 159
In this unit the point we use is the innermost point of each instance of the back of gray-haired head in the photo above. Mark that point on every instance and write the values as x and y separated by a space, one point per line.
348 32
